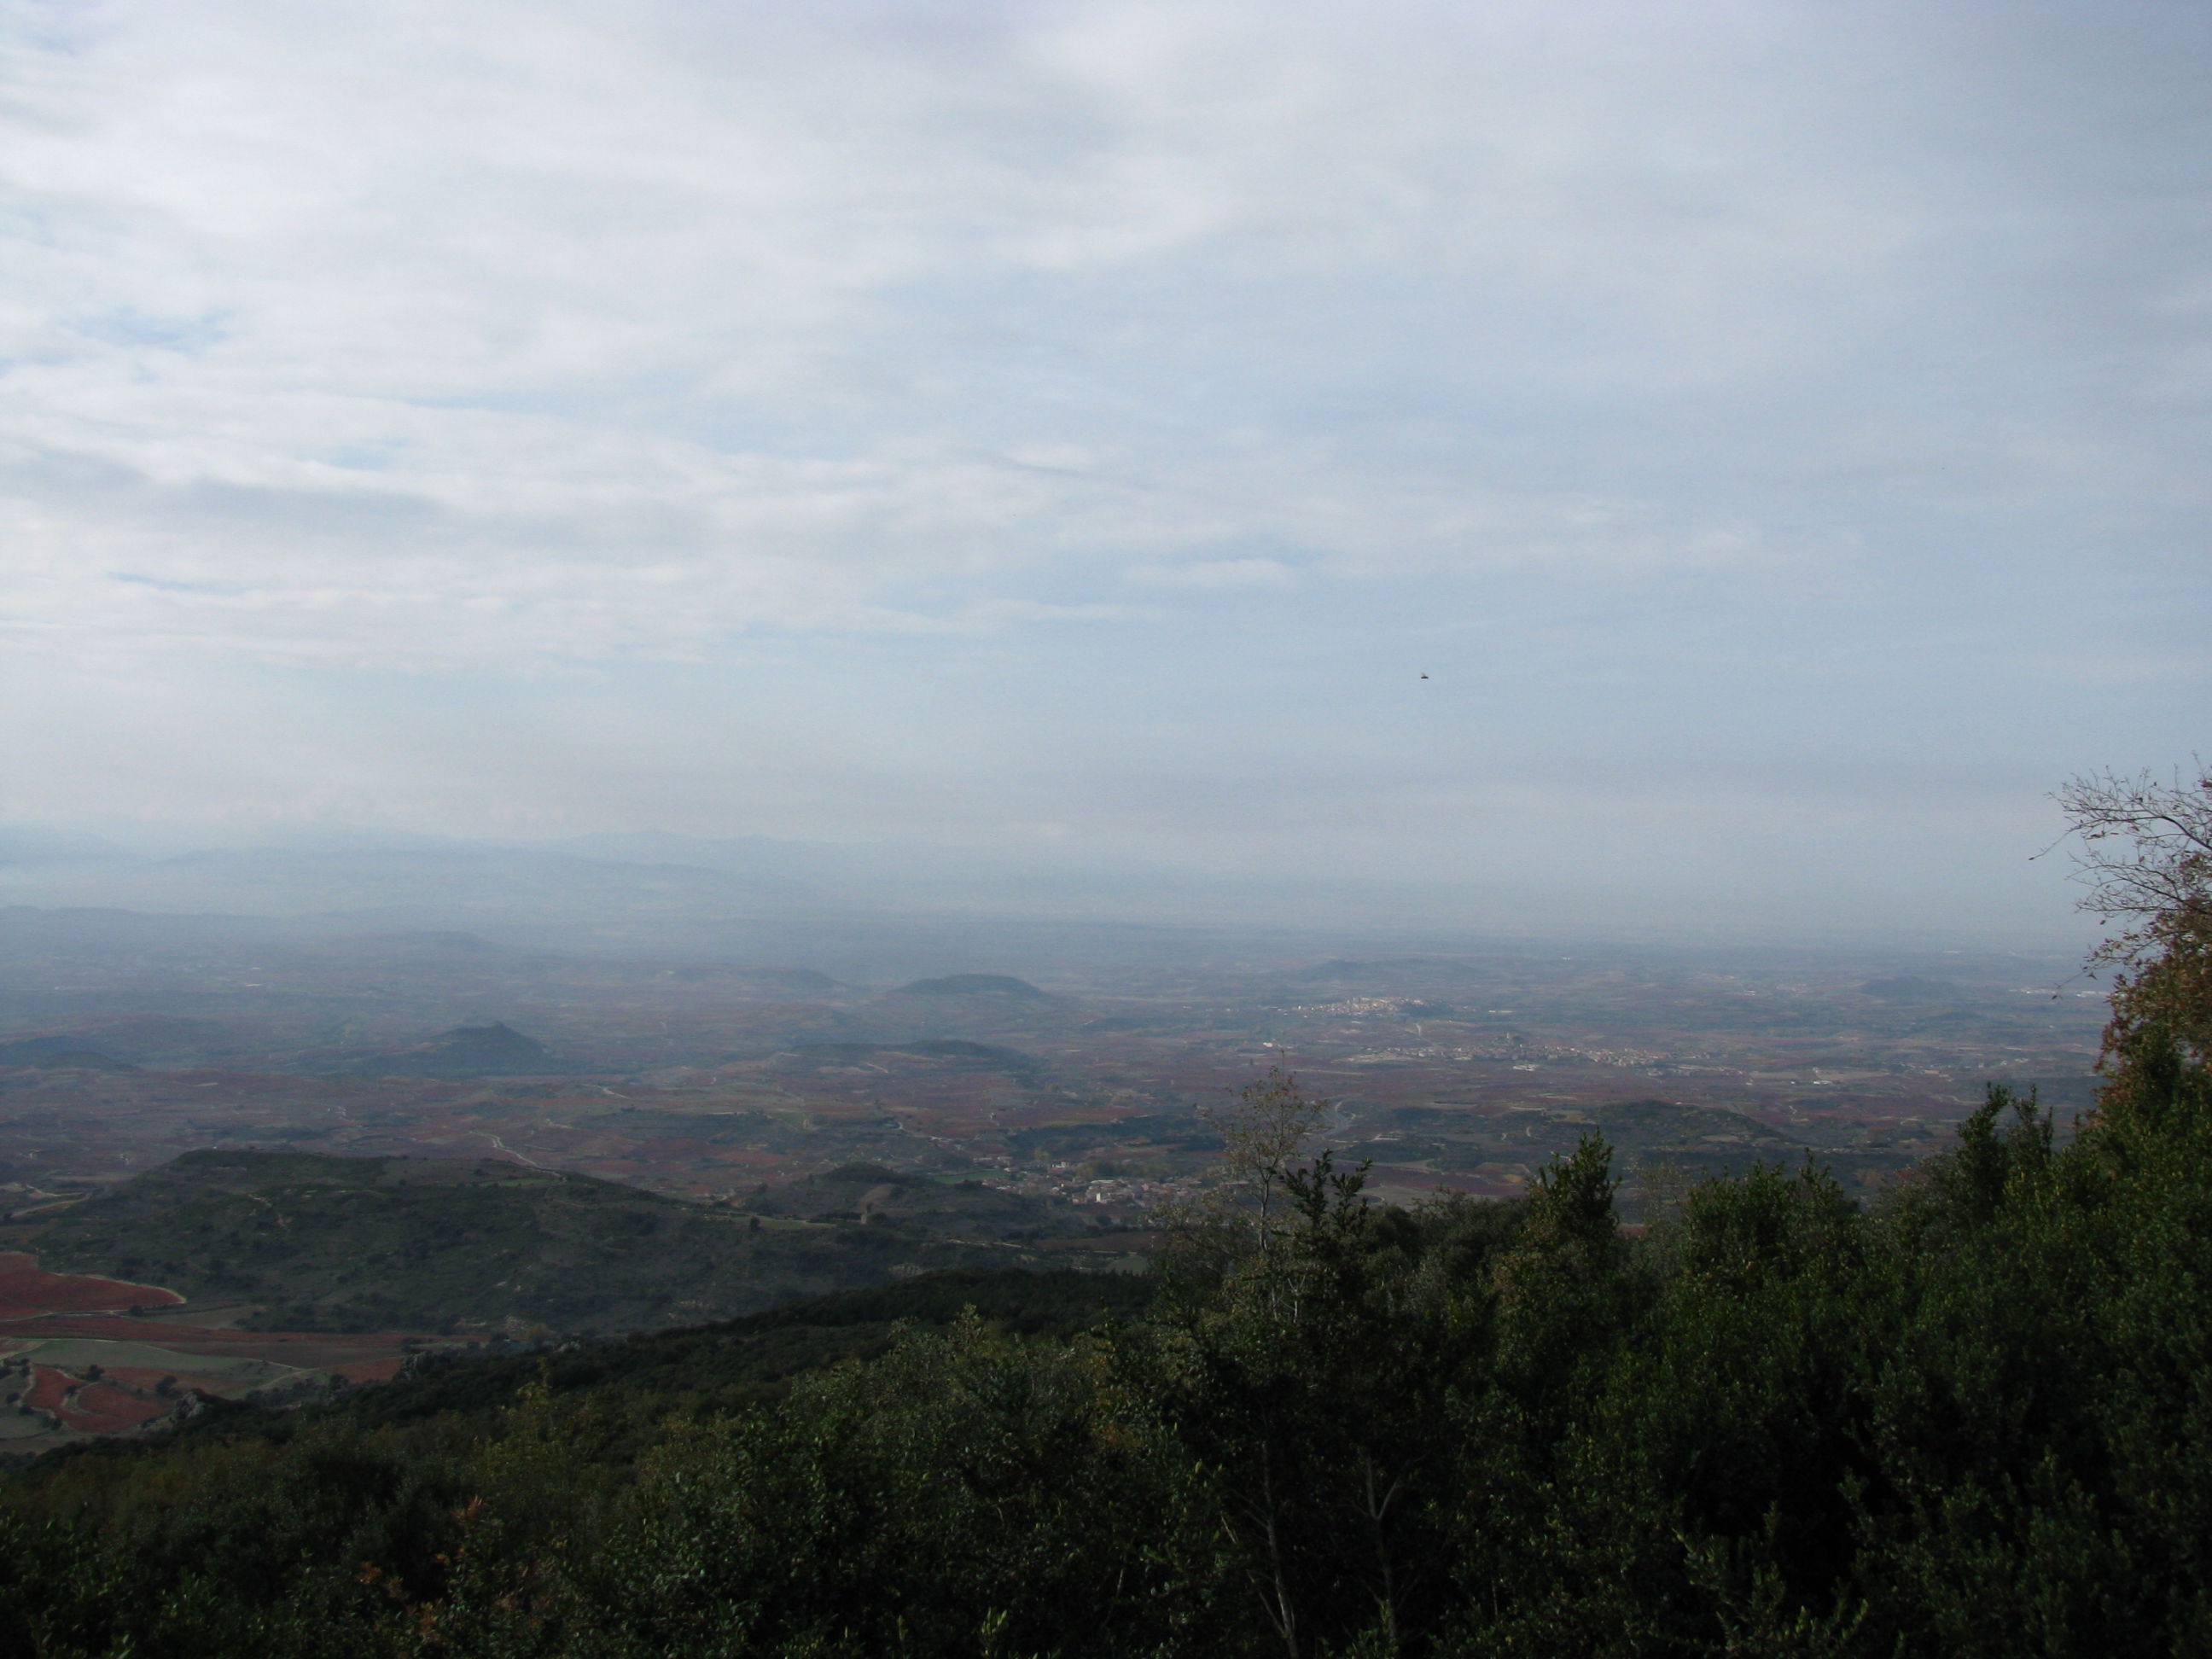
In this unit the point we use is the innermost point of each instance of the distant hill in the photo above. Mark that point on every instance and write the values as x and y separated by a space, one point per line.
492 1050
957 985
132 1038
162 1037
364 1243
37 847
57 1051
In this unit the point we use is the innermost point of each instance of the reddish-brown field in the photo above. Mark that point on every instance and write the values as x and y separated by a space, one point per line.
106 1408
79 1397
27 1291
36 1303
49 1388
92 1407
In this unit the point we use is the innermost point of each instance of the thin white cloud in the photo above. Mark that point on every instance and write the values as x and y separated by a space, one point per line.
324 327
1218 573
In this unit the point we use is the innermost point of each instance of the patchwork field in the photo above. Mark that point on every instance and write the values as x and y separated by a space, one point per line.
81 1355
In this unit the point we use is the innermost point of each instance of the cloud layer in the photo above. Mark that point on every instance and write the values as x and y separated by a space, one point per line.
1824 363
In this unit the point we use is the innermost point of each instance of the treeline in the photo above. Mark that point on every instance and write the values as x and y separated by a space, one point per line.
1973 1418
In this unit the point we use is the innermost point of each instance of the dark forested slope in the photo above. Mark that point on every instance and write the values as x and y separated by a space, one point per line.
363 1243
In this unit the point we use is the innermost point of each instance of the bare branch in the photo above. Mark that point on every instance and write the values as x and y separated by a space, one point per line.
1238 1222
2143 849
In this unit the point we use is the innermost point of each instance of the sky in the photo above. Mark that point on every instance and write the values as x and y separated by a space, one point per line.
1738 455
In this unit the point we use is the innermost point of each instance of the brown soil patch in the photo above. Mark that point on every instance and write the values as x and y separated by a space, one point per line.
27 1290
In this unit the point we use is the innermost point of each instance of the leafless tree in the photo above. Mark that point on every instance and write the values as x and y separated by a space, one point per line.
1264 1131
1236 1224
2143 850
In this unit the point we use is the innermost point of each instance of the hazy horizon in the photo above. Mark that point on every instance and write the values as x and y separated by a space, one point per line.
759 898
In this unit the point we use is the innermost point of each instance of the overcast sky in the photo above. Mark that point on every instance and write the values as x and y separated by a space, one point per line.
1776 432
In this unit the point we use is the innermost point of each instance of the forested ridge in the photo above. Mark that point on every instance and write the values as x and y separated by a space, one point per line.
1973 1418
445 1244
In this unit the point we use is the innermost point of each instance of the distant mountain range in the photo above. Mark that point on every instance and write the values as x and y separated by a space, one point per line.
30 848
859 909
856 912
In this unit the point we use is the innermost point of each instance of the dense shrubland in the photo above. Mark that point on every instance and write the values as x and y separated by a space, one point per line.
1973 1418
